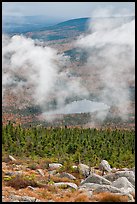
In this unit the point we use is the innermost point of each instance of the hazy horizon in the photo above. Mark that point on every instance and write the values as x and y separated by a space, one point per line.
64 10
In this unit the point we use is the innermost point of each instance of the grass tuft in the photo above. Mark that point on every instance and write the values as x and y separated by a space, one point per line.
20 181
110 197
82 198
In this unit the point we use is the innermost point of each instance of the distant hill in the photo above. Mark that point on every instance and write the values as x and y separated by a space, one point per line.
23 24
43 28
78 24
63 30
70 29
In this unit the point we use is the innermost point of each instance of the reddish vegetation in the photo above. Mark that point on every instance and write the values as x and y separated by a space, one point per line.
44 188
110 197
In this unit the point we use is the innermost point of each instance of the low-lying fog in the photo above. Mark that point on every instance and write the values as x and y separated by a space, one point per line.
82 106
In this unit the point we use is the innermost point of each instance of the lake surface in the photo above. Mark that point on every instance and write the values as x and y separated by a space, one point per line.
82 106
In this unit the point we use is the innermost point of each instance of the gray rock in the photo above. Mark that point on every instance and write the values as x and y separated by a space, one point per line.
104 165
18 173
53 172
89 186
9 173
68 184
15 173
55 166
128 174
113 170
28 199
124 169
12 158
84 169
40 172
15 197
95 178
67 175
133 169
123 184
107 188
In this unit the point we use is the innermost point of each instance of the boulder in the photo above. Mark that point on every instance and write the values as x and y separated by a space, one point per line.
107 188
28 199
89 186
100 188
95 178
123 184
66 184
104 166
125 169
53 166
15 197
66 175
133 169
128 174
84 169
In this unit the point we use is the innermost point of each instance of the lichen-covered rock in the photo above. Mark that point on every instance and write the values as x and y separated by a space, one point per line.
28 199
66 184
104 166
84 169
53 166
128 174
89 186
66 175
132 169
123 184
95 178
107 188
15 197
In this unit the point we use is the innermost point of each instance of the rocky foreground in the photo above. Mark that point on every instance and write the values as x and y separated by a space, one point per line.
25 181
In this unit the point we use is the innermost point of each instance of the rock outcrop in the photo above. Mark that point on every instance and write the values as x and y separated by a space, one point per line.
120 182
94 178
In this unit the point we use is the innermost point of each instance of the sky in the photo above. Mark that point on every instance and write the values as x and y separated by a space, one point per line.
63 10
